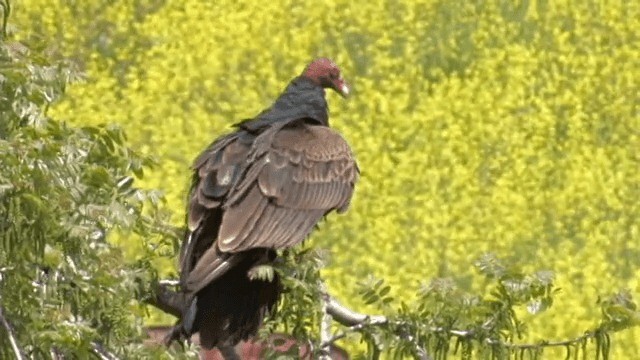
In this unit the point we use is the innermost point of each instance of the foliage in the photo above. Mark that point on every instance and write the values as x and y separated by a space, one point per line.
300 310
63 190
445 321
504 127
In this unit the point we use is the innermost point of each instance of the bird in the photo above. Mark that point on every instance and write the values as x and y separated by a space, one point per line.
258 189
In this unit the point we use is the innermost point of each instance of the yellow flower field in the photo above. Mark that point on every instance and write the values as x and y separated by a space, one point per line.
512 129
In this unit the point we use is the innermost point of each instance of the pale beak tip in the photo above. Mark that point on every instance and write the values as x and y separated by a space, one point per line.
344 90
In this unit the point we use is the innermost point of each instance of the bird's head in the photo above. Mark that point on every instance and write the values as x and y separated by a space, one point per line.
326 73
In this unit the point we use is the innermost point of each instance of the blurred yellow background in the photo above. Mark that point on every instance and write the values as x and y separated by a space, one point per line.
510 127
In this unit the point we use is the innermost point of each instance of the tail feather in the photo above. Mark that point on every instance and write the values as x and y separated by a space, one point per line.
231 308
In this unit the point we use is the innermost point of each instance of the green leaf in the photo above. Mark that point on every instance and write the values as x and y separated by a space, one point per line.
262 272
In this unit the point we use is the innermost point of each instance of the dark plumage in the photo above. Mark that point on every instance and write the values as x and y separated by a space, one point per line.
260 188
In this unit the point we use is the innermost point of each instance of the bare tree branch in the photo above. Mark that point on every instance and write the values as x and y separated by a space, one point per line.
169 282
165 299
348 317
12 336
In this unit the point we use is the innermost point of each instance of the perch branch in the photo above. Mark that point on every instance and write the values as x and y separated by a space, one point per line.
165 299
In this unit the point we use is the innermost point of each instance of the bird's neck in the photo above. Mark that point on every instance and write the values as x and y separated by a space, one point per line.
301 100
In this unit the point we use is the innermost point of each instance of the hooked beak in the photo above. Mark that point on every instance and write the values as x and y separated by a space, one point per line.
343 88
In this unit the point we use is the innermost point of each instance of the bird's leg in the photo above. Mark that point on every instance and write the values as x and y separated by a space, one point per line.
178 334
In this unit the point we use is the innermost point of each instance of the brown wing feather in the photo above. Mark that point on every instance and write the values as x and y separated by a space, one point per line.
273 201
216 169
307 172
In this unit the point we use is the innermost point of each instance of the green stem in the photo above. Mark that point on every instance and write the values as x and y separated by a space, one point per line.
6 10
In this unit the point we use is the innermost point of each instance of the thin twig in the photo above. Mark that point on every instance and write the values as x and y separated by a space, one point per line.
561 343
169 282
489 341
12 336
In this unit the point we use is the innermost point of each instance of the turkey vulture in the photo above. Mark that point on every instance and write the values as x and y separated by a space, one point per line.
260 188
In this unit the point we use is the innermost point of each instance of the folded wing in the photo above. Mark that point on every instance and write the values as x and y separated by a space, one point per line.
246 195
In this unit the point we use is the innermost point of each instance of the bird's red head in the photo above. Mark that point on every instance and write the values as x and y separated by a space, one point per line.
326 73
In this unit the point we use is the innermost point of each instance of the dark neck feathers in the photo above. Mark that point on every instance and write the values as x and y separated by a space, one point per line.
303 99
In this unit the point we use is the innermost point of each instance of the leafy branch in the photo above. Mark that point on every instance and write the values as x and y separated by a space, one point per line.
65 290
444 319
96 348
362 323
